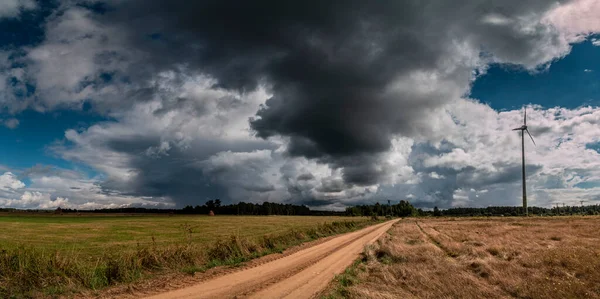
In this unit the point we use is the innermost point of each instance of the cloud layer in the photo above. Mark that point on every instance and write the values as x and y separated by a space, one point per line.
316 103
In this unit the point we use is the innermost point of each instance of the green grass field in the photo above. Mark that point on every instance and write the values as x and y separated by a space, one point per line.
64 254
97 234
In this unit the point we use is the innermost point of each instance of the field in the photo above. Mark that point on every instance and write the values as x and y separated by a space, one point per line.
97 234
46 255
479 258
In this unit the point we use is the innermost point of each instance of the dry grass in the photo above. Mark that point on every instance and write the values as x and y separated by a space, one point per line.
480 258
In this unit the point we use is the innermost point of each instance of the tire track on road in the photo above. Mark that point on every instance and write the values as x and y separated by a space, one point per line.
307 271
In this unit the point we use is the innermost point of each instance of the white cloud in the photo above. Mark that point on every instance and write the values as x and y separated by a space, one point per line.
77 49
487 146
588 70
35 200
11 123
60 189
576 19
8 182
435 175
596 42
460 198
12 8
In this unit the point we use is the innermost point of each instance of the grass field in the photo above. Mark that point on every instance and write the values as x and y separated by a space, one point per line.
479 258
45 255
97 234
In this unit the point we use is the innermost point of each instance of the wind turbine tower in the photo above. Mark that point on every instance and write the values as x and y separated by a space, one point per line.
523 128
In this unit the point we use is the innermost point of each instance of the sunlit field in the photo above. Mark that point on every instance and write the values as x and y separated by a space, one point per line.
97 234
509 257
56 255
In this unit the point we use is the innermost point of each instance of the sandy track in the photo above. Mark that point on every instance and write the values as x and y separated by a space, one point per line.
303 274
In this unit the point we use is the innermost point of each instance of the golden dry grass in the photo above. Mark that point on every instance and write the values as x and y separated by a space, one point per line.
480 258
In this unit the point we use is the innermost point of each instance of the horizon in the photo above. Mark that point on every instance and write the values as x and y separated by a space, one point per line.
319 104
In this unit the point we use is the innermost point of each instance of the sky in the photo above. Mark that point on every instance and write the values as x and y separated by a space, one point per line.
155 103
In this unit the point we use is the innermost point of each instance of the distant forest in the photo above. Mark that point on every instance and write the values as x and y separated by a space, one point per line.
401 209
516 211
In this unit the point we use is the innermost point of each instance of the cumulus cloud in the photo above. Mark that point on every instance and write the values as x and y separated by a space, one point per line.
52 187
8 181
577 18
36 200
351 102
12 8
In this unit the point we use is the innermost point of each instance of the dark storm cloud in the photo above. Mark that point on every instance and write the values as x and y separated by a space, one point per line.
331 185
176 173
504 174
305 177
328 64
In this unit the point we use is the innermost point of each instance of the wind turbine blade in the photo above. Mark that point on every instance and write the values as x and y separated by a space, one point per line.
525 117
530 136
517 129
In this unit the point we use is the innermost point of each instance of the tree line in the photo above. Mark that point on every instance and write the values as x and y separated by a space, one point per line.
401 209
517 211
242 208
405 209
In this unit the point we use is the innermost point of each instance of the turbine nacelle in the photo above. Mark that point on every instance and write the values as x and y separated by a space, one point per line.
521 128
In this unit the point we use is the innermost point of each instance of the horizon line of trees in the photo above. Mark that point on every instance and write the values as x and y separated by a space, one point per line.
241 208
405 209
402 209
517 211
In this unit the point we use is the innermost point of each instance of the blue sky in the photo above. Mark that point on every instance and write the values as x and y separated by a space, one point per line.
570 82
28 144
93 113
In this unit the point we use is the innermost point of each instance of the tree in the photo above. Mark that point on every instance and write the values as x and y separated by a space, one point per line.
404 209
436 212
210 205
188 210
378 209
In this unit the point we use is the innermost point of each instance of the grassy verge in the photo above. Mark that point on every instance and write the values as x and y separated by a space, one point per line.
341 282
27 271
374 253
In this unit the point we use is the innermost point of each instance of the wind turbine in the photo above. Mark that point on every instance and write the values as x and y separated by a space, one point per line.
523 128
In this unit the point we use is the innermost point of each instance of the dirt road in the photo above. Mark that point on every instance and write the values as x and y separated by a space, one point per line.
301 275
